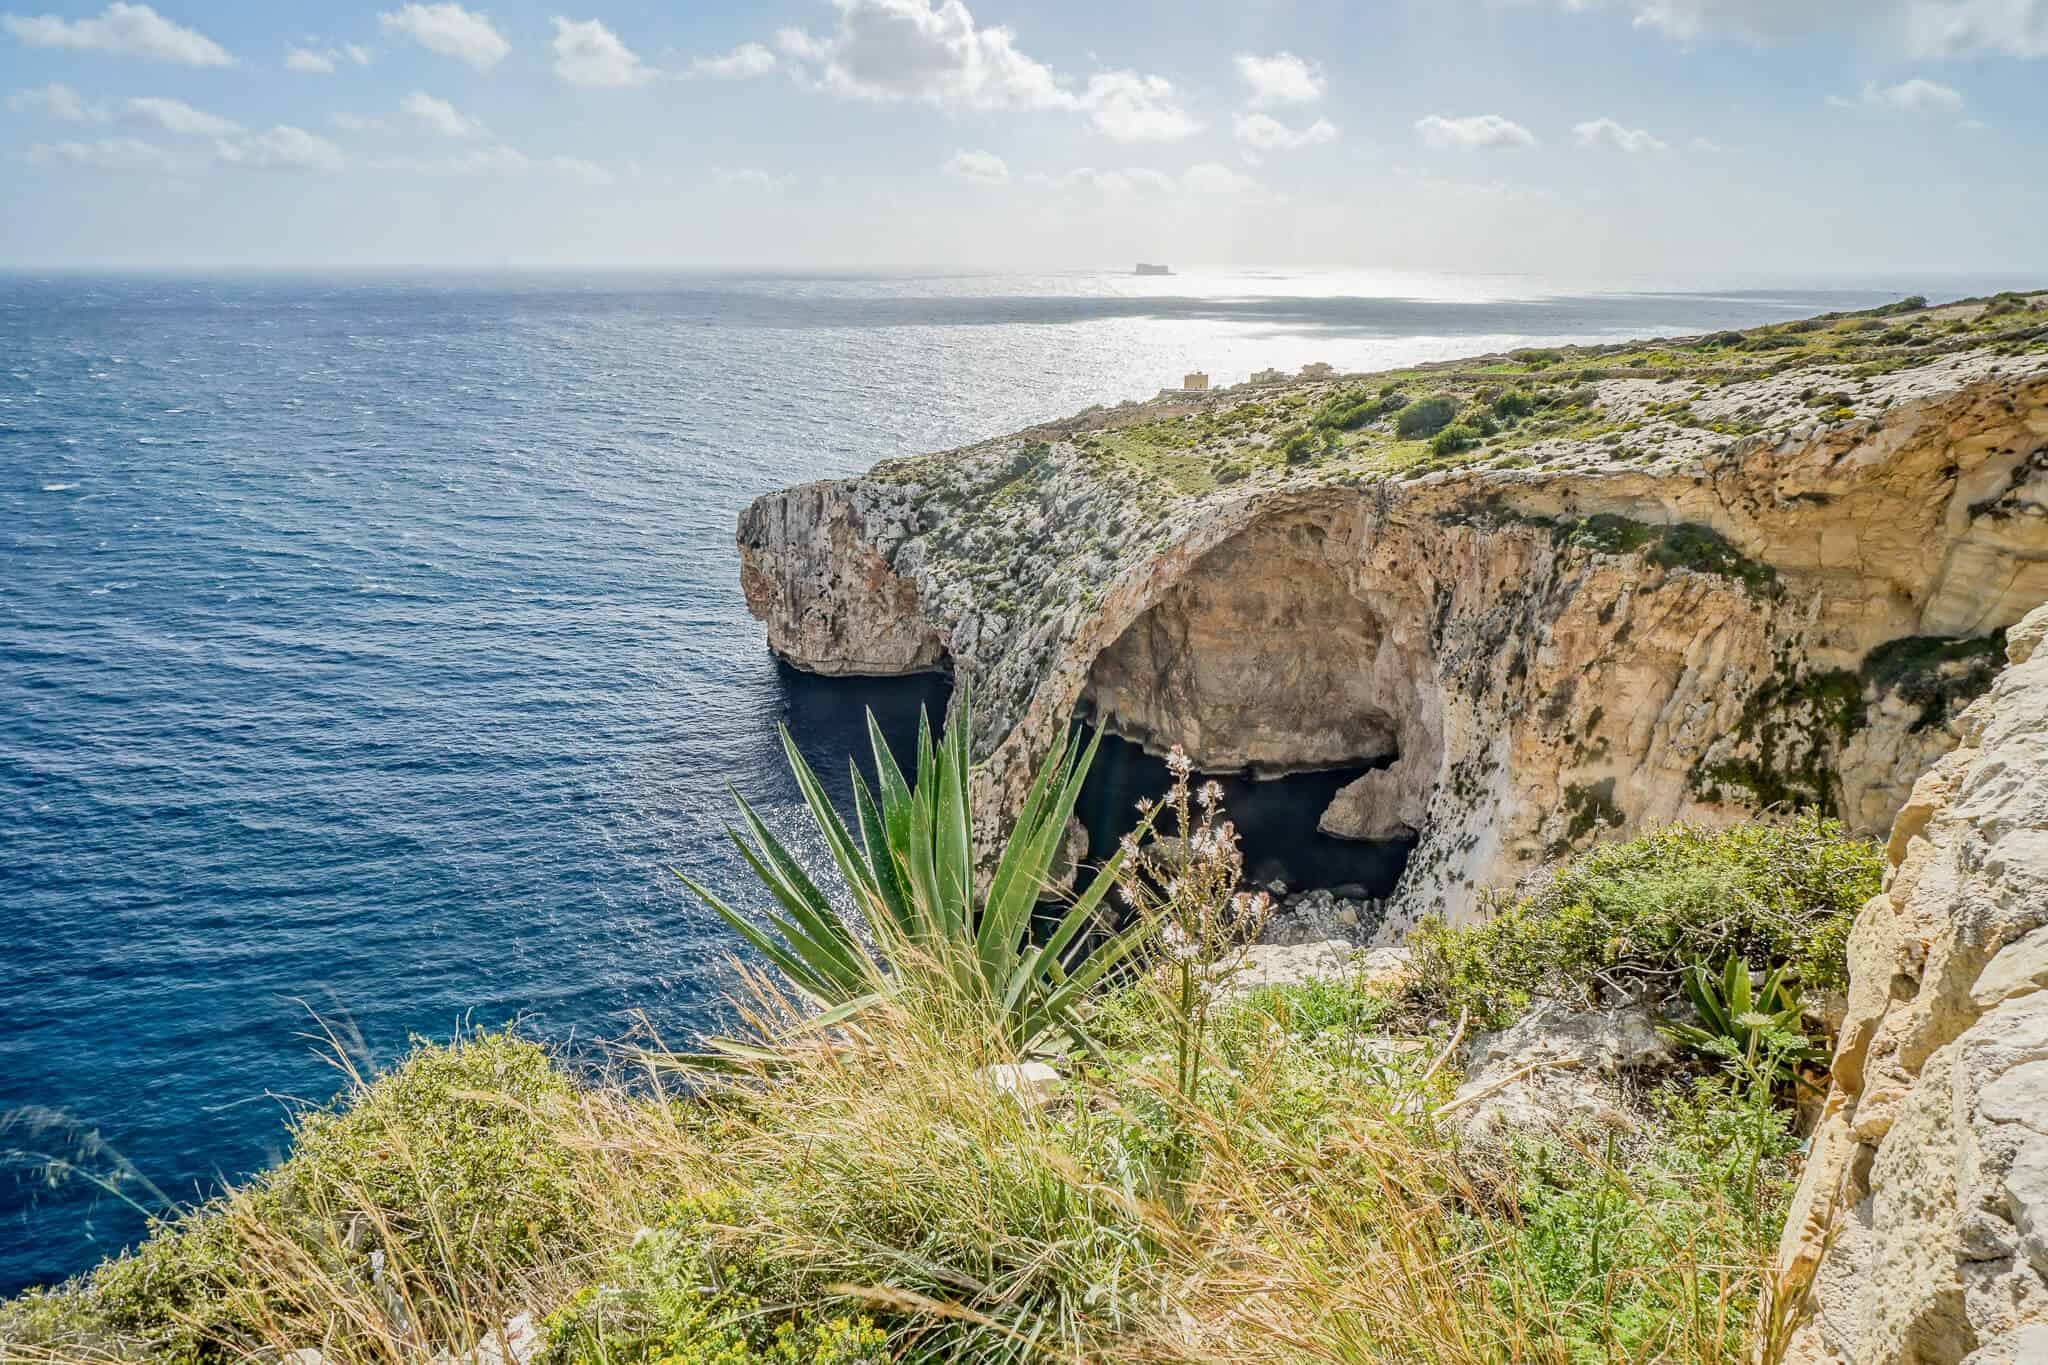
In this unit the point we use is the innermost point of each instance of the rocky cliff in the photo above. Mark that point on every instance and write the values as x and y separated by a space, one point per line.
1920 1230
1567 593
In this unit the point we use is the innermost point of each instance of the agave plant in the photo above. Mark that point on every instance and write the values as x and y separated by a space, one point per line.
1744 1022
924 925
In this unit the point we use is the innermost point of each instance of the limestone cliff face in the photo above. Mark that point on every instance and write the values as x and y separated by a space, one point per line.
1730 601
1920 1229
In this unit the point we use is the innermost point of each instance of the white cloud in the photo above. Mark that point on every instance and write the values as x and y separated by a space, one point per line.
106 154
983 168
121 30
796 43
1203 178
1605 132
588 53
1706 145
1264 133
503 160
934 52
916 49
450 30
750 178
1282 78
310 57
589 172
1112 184
176 116
1915 96
1212 177
356 123
1129 107
59 102
1924 28
1476 132
748 59
283 148
439 115
2017 28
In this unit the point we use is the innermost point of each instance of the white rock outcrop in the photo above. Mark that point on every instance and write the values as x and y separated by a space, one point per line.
1919 1233
1556 1068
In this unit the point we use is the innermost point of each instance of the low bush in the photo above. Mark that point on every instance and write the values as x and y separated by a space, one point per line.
1424 417
1514 404
1301 446
1453 439
1355 408
1635 916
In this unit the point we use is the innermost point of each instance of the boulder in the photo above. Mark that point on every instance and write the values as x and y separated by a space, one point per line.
1032 1084
1556 1068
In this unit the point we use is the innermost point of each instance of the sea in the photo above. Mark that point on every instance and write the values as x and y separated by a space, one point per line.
372 647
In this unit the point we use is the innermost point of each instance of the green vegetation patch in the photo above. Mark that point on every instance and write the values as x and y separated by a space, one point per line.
1937 674
1688 545
1425 417
1633 915
1794 724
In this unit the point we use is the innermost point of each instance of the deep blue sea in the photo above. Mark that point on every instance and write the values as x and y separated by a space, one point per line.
370 645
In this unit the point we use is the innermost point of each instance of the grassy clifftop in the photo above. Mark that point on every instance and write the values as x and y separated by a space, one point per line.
1537 406
888 1197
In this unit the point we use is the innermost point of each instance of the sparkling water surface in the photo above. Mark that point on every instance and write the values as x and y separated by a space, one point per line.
371 645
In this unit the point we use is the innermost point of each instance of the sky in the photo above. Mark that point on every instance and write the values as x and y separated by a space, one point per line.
1570 137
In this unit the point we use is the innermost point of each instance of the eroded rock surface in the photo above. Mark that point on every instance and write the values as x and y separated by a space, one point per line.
1557 1068
1703 594
1919 1232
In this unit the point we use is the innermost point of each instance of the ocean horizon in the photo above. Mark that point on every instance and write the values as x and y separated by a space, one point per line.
371 641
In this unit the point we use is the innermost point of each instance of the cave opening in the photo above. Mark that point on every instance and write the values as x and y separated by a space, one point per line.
1293 676
1276 819
828 719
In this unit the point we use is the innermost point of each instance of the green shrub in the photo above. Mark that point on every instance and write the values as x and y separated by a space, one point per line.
1637 914
1937 674
1425 417
1453 439
1605 1240
1351 410
674 1300
1299 447
1514 404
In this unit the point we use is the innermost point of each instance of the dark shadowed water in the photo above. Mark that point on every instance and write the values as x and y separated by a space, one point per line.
369 647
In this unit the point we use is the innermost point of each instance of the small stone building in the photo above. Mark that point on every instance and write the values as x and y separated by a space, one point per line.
1195 382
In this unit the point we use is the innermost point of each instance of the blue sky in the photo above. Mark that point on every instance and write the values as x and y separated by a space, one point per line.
1578 137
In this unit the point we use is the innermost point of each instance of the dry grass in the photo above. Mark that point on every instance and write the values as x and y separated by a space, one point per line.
1305 1207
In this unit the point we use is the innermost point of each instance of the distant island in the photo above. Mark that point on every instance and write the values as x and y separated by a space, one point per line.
1147 269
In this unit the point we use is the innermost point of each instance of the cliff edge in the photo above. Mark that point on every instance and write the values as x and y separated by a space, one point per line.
1919 1232
1559 594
